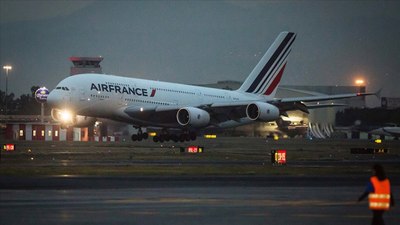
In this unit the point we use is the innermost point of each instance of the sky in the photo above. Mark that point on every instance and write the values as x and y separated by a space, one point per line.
200 42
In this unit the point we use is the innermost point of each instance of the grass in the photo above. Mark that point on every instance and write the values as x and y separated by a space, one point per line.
223 156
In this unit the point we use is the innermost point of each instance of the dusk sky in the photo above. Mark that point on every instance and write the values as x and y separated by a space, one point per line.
199 42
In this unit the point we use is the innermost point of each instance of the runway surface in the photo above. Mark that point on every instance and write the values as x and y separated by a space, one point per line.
186 200
232 182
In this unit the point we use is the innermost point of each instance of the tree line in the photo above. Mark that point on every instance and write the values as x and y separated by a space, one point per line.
25 104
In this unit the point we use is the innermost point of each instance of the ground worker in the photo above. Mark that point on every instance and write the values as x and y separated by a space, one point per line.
379 194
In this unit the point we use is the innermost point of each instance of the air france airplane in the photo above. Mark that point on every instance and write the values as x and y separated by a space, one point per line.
80 100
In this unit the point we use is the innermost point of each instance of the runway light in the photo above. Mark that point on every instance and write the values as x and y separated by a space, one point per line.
210 136
9 147
278 157
192 149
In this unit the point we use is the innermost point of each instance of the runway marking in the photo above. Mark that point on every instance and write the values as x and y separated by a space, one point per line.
230 202
327 215
145 213
188 213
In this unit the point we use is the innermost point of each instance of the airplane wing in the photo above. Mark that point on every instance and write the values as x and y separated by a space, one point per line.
299 103
323 97
231 111
219 112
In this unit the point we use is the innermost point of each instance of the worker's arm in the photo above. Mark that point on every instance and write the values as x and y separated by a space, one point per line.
369 189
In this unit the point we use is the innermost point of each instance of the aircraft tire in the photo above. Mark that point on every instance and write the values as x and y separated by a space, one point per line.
155 139
134 137
193 136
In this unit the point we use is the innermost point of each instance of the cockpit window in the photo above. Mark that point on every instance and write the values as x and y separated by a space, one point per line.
62 88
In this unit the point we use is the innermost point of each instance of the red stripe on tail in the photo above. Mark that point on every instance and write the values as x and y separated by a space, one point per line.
275 82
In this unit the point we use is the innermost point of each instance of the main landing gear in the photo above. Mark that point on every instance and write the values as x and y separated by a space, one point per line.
140 135
164 136
185 136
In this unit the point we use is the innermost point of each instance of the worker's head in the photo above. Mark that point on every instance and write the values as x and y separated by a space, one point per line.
379 171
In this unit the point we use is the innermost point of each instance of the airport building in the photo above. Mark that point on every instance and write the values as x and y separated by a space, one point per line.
85 65
51 132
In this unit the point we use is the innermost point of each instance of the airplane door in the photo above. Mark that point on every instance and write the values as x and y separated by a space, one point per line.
82 96
199 96
228 96
121 101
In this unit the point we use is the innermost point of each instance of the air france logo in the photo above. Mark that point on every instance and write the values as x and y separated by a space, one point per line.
122 89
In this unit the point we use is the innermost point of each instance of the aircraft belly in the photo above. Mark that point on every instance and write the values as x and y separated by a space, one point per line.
162 119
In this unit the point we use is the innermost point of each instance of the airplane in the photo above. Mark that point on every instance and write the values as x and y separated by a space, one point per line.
82 99
392 130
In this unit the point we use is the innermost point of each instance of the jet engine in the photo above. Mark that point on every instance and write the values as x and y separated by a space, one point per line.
67 118
262 111
192 116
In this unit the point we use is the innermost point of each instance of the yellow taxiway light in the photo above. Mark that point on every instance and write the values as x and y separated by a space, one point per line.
210 136
152 134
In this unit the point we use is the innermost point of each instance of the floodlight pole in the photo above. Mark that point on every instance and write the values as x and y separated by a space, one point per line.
7 68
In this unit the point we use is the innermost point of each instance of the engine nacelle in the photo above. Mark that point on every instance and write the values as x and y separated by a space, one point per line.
192 116
67 118
262 111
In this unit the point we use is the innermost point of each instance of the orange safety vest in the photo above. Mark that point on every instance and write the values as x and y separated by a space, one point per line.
380 198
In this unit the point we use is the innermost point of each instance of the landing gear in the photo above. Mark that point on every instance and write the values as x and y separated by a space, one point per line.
140 135
165 136
185 136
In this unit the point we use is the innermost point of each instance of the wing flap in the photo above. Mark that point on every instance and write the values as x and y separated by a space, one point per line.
323 97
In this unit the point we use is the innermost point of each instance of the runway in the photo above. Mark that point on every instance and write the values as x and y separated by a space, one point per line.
186 200
232 182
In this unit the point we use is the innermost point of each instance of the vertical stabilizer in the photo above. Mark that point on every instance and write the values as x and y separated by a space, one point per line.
267 74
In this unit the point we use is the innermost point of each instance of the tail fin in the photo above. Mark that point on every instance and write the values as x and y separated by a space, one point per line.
267 74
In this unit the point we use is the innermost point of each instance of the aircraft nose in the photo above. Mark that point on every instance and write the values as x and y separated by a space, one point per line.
53 99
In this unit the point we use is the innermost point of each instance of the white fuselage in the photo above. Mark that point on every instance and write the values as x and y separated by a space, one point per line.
103 96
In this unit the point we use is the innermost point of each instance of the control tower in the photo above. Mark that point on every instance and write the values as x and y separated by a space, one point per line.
85 65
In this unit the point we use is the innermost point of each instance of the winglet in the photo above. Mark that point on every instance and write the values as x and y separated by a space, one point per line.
378 93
